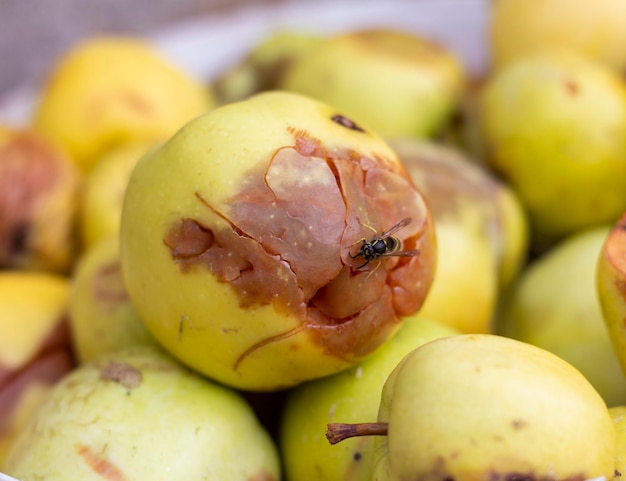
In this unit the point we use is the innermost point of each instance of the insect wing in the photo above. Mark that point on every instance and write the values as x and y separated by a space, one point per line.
407 253
400 225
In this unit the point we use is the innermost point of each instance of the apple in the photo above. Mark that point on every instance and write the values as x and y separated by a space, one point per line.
110 90
138 414
245 237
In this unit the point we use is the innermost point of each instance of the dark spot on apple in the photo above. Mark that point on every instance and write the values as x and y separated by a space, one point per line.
572 87
122 373
518 424
18 239
357 456
346 122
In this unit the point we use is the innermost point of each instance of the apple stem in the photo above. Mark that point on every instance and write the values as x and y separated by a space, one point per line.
337 432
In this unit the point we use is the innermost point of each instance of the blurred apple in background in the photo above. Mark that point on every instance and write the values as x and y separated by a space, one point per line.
34 345
397 84
100 206
39 188
263 67
102 318
108 91
520 27
482 234
554 127
555 306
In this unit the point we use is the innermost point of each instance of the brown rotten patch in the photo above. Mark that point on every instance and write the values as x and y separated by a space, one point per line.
288 238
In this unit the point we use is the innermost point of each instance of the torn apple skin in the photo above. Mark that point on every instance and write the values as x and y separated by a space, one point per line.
286 238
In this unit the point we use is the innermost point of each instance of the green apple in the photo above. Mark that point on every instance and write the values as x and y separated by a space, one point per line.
399 84
243 237
350 396
102 317
138 414
481 406
556 306
554 125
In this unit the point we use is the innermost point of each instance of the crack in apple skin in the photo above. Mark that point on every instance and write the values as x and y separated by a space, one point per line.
285 239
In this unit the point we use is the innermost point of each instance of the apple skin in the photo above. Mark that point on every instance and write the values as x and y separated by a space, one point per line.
349 396
139 414
240 240
555 305
481 406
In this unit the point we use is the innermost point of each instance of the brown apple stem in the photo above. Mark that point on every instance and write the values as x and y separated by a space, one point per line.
336 432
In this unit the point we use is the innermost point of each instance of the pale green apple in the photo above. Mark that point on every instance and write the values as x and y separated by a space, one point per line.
556 306
241 240
554 126
350 396
399 84
138 414
480 406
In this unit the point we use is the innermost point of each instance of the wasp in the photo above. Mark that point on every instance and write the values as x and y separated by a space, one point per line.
384 244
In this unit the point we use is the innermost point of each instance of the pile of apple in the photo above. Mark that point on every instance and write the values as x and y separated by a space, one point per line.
343 259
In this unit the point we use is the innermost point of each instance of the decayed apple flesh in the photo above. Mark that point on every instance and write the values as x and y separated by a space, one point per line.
291 235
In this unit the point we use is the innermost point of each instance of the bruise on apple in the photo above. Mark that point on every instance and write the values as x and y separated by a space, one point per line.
107 285
122 373
31 172
288 236
99 464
